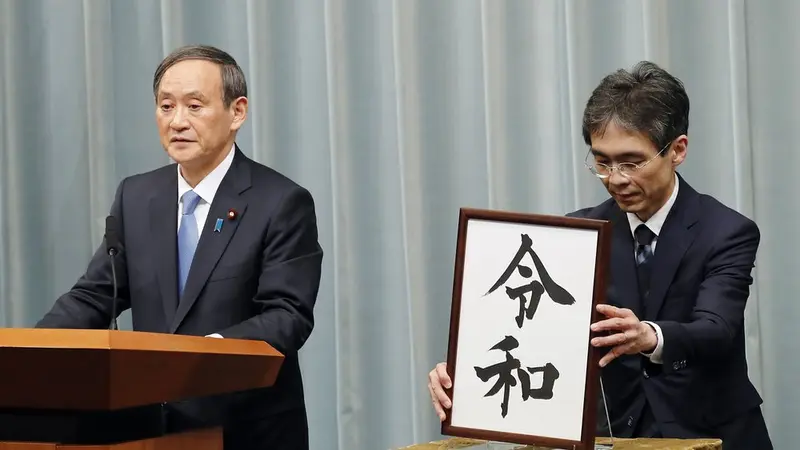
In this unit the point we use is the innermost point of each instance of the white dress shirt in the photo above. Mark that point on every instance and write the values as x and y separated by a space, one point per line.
206 189
654 224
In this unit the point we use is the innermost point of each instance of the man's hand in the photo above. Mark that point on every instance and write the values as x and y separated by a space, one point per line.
631 337
437 378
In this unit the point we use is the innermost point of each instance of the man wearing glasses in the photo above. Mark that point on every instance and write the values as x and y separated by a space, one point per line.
680 273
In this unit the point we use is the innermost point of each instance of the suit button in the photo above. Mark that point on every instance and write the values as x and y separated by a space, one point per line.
630 421
646 375
676 365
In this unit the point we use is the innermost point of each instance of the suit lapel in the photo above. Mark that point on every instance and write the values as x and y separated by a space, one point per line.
163 210
212 243
624 288
675 238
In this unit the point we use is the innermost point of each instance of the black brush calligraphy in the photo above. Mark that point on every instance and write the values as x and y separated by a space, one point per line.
528 307
504 371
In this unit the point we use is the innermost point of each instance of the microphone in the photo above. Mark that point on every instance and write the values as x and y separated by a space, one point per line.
112 249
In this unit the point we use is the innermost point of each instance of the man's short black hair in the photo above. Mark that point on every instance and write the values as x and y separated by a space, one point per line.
647 100
233 81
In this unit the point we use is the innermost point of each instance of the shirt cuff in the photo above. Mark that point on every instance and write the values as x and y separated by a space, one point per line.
215 335
655 357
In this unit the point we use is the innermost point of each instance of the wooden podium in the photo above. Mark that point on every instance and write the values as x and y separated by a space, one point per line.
101 389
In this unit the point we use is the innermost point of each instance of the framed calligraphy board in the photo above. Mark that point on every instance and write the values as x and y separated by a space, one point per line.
519 354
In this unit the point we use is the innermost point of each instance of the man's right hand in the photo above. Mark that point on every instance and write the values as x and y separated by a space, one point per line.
438 381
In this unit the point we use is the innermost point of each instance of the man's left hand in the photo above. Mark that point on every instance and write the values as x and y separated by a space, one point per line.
631 337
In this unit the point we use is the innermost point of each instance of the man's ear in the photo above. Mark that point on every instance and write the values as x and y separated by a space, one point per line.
679 148
239 109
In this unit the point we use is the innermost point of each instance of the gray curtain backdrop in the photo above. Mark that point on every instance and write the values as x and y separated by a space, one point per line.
395 113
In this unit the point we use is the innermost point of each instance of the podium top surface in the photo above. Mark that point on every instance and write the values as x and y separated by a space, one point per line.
115 340
106 370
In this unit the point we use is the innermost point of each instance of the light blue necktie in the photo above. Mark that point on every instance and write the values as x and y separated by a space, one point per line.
187 238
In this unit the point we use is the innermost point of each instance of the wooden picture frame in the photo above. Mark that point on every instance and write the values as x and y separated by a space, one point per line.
548 394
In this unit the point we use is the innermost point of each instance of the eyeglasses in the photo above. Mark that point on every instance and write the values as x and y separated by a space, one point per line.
625 169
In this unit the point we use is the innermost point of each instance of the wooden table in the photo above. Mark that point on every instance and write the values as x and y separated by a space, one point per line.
620 444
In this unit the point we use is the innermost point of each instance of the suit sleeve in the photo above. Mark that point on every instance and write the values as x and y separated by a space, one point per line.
718 315
88 303
289 279
585 213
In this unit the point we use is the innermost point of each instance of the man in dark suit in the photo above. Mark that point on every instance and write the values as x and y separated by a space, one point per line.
680 274
216 245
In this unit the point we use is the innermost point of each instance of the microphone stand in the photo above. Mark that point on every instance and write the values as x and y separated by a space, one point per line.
113 326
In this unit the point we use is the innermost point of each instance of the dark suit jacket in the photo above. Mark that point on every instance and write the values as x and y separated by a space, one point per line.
699 285
256 279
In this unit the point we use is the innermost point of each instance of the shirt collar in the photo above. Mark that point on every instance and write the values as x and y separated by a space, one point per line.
657 220
207 187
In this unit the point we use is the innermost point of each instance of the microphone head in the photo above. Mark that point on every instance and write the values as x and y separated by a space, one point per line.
112 237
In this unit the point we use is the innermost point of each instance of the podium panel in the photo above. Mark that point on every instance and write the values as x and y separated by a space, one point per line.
104 389
95 370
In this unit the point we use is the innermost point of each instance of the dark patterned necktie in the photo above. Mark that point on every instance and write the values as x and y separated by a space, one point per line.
644 257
